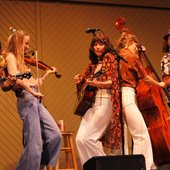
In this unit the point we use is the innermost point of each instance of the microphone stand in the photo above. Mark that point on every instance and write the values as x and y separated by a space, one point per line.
118 58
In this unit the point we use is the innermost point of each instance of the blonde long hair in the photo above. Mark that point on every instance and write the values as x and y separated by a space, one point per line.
15 46
125 40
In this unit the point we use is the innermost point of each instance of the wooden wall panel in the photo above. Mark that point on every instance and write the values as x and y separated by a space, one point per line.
58 33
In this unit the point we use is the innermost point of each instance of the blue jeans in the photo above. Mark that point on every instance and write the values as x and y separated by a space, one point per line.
41 135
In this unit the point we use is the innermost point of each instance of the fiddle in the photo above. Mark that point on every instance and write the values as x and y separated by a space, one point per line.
41 65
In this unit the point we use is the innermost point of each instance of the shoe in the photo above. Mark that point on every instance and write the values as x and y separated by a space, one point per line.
153 167
43 167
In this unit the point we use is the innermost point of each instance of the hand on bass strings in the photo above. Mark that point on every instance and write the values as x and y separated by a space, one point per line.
162 84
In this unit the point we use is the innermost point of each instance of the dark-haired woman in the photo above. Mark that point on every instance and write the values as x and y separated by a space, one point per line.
101 73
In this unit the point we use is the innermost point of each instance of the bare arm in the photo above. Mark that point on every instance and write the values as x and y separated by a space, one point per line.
12 70
166 79
24 85
11 64
41 79
104 85
151 81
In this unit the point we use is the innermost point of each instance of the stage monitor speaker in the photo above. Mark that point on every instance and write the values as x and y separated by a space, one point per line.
121 162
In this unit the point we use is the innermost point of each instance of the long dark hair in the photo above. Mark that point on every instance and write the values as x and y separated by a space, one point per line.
92 56
166 47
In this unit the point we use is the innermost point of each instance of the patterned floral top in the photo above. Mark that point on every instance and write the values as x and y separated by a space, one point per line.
165 65
112 137
165 68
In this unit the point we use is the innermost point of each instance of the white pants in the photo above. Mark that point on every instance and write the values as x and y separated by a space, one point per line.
137 126
92 128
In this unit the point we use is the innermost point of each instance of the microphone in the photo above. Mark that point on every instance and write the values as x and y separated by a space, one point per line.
91 30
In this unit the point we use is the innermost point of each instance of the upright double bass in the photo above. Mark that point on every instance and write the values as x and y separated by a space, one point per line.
152 103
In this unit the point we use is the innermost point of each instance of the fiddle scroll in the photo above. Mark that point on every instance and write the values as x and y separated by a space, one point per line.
120 23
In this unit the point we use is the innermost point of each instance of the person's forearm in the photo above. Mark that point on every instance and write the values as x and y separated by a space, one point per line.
104 85
151 81
167 80
44 76
41 79
25 86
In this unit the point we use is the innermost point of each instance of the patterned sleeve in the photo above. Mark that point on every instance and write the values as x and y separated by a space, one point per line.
112 137
165 66
87 71
110 66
